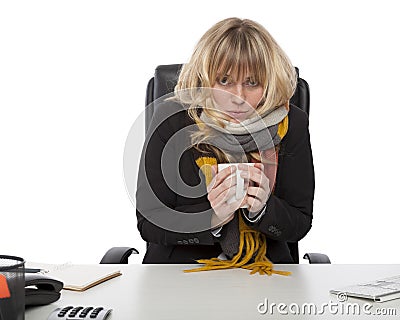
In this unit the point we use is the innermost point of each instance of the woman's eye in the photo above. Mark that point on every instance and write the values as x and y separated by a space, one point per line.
224 81
252 83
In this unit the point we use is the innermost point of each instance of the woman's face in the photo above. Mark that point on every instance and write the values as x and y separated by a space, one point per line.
237 96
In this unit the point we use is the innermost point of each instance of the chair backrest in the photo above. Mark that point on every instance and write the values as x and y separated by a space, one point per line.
165 79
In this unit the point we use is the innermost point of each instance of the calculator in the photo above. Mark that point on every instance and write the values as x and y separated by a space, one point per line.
80 312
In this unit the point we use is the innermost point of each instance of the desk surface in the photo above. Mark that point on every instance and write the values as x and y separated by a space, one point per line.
165 292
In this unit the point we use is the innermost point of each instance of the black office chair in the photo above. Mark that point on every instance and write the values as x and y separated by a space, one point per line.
163 82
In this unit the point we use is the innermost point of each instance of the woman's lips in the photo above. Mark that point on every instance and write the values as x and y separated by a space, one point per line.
237 114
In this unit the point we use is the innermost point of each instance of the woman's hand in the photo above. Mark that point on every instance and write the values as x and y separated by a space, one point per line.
222 188
258 187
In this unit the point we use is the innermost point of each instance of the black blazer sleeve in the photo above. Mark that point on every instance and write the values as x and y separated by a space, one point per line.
289 209
166 212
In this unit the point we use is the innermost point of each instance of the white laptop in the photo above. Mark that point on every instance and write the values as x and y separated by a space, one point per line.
377 290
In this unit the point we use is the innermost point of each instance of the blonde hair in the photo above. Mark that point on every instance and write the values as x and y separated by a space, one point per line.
235 46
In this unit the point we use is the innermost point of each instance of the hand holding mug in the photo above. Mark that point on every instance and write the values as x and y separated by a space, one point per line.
258 190
222 194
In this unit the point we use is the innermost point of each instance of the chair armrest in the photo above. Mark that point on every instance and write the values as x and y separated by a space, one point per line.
317 258
118 255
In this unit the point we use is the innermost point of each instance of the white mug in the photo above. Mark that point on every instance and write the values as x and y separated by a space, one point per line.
241 187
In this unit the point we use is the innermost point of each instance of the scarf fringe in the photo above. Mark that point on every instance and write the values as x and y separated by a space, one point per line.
250 239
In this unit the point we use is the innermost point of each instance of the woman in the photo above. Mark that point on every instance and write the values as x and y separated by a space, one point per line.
232 100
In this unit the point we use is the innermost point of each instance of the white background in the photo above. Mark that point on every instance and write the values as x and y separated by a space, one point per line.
73 76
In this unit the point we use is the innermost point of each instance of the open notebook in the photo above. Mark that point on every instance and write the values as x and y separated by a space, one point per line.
81 277
378 290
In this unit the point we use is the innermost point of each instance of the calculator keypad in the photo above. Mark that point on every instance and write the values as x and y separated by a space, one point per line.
80 312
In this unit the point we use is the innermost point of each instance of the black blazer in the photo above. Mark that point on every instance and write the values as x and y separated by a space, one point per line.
174 214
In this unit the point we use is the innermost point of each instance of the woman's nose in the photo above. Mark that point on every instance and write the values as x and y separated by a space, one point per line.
238 96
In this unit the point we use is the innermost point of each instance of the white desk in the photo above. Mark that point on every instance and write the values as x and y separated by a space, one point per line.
165 292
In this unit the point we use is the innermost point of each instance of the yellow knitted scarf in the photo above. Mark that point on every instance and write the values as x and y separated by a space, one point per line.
252 243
